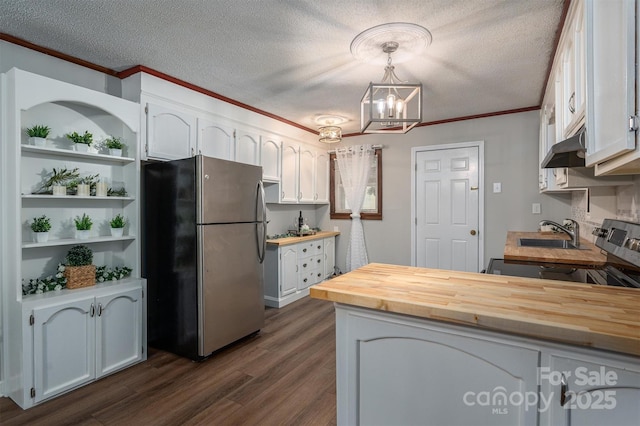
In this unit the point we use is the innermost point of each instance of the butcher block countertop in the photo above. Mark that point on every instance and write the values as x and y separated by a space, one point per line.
294 240
601 317
587 255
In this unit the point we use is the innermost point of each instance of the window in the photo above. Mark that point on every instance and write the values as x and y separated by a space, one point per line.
372 205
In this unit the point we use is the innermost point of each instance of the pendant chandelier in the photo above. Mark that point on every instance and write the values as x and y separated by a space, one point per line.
393 105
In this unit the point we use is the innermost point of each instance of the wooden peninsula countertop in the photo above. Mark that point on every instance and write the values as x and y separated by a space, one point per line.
294 240
587 255
578 314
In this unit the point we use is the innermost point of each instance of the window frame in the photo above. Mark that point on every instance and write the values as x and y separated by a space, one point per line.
332 194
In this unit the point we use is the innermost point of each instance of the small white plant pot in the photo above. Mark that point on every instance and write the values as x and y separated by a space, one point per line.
82 147
41 237
117 232
59 190
115 152
38 141
84 190
82 235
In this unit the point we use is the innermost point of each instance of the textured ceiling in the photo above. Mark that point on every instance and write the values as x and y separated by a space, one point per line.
291 58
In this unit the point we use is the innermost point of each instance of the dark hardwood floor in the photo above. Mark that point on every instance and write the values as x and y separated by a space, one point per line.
284 375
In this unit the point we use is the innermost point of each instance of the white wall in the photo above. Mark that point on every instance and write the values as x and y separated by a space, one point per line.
511 156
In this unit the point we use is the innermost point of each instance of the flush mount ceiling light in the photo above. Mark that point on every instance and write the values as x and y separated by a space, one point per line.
393 105
329 132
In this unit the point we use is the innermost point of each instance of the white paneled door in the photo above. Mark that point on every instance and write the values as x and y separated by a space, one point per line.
447 208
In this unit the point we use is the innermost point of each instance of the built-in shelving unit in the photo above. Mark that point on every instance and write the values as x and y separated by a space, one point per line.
60 340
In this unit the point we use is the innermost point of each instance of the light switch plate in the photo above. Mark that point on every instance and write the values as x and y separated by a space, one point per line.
535 208
497 187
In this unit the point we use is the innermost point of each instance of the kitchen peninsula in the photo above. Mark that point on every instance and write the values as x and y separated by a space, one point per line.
417 345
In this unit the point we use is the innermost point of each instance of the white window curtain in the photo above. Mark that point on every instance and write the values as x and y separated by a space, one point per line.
354 163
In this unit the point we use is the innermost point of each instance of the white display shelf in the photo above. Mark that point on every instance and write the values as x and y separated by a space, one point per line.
73 241
77 154
72 197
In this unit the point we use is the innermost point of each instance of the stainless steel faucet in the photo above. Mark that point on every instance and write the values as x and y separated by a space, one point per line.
574 234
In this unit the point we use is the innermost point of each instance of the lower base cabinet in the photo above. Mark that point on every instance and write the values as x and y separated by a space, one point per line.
396 369
76 338
291 269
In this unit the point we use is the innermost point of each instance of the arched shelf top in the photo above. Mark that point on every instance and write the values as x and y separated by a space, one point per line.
32 90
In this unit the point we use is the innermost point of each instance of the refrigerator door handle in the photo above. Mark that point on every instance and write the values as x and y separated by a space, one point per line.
262 245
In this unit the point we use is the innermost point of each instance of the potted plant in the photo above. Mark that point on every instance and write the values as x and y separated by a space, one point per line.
83 226
117 225
115 145
38 134
79 270
58 181
41 227
82 142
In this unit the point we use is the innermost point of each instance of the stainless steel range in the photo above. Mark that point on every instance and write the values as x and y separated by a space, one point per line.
620 240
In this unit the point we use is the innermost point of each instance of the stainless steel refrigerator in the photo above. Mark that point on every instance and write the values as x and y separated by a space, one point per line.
205 240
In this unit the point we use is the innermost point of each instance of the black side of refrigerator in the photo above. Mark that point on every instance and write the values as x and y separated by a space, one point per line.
171 256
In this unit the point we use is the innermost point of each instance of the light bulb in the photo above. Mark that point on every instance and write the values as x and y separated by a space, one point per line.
381 105
391 104
399 108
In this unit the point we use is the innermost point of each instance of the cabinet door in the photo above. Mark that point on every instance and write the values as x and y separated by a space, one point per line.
289 270
322 178
590 393
610 31
392 370
247 147
270 159
171 134
118 331
289 180
307 175
215 140
63 347
329 256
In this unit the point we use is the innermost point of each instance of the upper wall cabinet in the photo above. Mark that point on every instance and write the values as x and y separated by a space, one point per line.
612 140
247 147
171 133
270 158
570 82
215 140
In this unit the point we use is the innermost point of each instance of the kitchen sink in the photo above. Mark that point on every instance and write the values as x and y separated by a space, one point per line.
545 243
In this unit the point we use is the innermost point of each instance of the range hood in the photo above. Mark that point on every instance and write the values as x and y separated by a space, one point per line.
568 153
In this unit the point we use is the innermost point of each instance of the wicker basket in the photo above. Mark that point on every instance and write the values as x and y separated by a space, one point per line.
80 276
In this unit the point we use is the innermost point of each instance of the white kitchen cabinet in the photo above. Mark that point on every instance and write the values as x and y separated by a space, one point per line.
281 276
570 74
270 158
247 147
215 139
32 99
307 173
611 77
329 257
290 269
394 369
322 178
588 390
171 132
399 369
78 340
310 263
289 179
304 177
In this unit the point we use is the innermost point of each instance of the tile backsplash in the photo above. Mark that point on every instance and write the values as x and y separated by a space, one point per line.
589 208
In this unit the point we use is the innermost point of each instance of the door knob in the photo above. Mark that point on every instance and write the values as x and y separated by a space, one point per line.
473 232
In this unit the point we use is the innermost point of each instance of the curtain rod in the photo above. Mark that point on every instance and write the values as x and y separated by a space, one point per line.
333 151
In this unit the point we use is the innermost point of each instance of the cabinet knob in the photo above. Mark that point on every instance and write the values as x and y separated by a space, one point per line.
304 265
304 250
305 280
319 260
